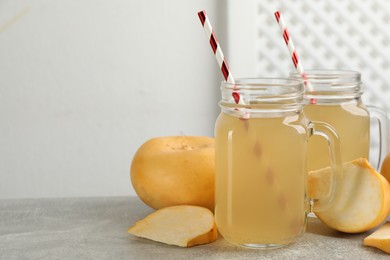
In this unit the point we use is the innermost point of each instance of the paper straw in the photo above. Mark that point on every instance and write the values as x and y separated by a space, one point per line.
219 54
290 45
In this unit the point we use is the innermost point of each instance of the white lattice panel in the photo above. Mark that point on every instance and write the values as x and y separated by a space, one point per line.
342 34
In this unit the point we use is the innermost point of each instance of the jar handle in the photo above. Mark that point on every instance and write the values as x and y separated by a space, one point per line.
380 116
329 133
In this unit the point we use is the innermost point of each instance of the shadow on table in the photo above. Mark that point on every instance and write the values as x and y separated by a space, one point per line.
315 226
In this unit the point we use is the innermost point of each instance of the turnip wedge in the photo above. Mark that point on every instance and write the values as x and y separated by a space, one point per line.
361 199
182 225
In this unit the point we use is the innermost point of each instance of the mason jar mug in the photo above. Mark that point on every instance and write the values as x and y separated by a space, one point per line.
261 162
334 97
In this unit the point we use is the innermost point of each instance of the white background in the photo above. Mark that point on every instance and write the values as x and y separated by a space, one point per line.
84 83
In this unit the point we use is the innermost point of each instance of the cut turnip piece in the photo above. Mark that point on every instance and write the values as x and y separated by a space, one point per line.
380 238
182 225
361 200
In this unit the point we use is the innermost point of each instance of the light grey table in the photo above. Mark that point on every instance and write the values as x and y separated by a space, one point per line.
96 228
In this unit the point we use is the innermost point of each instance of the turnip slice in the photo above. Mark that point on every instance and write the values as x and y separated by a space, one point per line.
182 225
361 200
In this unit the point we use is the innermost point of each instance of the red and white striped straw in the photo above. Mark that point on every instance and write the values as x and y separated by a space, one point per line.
292 50
218 54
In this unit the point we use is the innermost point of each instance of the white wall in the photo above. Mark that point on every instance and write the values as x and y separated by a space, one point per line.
84 83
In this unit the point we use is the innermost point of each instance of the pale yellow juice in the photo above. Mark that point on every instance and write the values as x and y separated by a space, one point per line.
352 123
261 178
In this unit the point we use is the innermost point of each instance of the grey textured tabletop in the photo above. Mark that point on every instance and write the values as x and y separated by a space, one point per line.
96 228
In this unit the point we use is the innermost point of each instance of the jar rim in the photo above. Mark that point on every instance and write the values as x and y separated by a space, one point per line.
256 83
263 94
331 83
328 74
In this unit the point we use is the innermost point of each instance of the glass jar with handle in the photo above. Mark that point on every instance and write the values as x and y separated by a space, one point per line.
261 162
335 98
